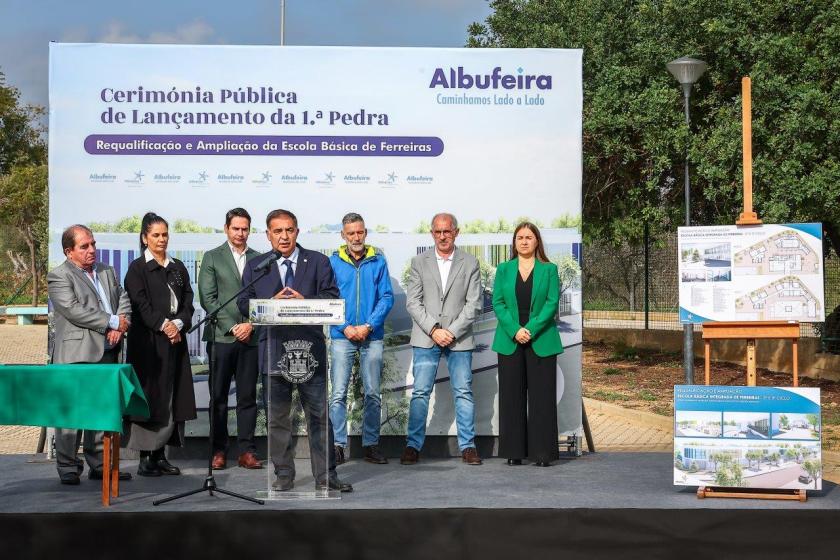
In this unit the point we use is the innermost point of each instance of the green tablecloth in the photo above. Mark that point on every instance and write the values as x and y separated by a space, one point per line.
81 396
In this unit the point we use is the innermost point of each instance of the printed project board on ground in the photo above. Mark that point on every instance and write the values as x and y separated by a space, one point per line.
747 437
395 134
753 273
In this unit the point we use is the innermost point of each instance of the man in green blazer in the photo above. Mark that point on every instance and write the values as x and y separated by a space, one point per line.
235 347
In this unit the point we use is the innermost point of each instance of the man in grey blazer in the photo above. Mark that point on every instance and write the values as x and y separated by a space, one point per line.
443 297
91 314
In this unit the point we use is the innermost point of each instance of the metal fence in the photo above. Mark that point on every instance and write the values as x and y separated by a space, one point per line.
635 286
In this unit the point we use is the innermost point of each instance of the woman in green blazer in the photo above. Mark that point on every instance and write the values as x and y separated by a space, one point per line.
525 298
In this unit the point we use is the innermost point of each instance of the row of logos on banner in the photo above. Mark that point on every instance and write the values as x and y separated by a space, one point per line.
263 178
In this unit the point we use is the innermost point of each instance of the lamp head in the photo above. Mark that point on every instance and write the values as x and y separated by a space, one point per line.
687 70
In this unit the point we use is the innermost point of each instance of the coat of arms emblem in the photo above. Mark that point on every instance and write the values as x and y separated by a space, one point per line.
297 365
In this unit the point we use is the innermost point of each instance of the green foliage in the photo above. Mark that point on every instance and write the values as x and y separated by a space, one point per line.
24 200
129 224
784 422
21 142
635 138
568 271
646 395
190 226
609 396
624 352
813 468
132 224
612 371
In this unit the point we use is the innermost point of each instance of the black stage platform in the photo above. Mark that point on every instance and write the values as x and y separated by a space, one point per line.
599 505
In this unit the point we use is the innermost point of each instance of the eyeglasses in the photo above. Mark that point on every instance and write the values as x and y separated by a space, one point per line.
443 232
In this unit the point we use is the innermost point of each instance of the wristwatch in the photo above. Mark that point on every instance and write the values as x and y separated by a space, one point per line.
369 328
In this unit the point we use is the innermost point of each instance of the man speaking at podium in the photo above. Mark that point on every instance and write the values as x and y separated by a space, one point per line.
302 274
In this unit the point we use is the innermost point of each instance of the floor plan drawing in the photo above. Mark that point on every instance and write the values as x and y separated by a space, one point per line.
785 299
783 253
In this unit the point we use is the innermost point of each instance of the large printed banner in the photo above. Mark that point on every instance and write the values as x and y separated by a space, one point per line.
751 273
394 134
747 437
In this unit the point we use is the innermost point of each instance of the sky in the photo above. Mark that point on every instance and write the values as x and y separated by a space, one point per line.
27 27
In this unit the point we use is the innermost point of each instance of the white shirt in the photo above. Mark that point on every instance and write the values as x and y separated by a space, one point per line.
238 258
282 267
173 299
104 303
444 266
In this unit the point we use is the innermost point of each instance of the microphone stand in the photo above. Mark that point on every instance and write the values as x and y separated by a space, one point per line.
210 481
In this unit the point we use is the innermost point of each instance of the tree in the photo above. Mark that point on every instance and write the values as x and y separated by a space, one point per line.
24 199
21 142
634 135
784 422
813 468
568 271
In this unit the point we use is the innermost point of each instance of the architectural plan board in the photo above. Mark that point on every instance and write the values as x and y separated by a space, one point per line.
751 273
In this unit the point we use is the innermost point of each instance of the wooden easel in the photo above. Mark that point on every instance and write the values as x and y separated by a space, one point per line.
750 331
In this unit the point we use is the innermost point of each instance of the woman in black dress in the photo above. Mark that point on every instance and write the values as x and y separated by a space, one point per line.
161 313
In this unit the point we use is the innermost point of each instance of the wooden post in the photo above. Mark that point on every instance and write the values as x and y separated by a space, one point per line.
106 469
751 376
707 355
115 465
748 217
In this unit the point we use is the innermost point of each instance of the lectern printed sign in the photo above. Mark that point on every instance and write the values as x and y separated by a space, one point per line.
296 311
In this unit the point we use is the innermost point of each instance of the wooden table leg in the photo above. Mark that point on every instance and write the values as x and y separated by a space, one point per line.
115 465
708 357
107 445
751 362
795 363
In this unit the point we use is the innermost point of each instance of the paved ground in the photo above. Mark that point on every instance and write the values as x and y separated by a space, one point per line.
613 428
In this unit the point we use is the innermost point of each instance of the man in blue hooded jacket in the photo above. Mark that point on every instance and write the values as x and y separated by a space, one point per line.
361 273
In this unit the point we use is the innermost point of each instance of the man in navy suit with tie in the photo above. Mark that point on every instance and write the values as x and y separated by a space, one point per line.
302 274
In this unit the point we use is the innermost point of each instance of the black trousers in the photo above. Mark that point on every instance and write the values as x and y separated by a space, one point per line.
528 406
234 360
284 413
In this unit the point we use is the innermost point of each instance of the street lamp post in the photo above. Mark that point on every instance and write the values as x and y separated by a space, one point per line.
687 71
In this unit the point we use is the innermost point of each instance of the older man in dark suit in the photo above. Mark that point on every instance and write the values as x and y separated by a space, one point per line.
91 314
302 274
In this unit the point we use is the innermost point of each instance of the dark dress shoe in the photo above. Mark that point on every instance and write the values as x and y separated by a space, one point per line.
219 461
283 484
96 474
340 457
248 460
410 456
374 455
335 484
148 467
69 478
165 467
514 462
543 463
470 456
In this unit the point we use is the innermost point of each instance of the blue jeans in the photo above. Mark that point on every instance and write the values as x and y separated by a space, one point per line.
426 362
342 353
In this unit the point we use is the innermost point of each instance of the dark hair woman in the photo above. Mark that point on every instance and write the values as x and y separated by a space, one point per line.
161 312
526 295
